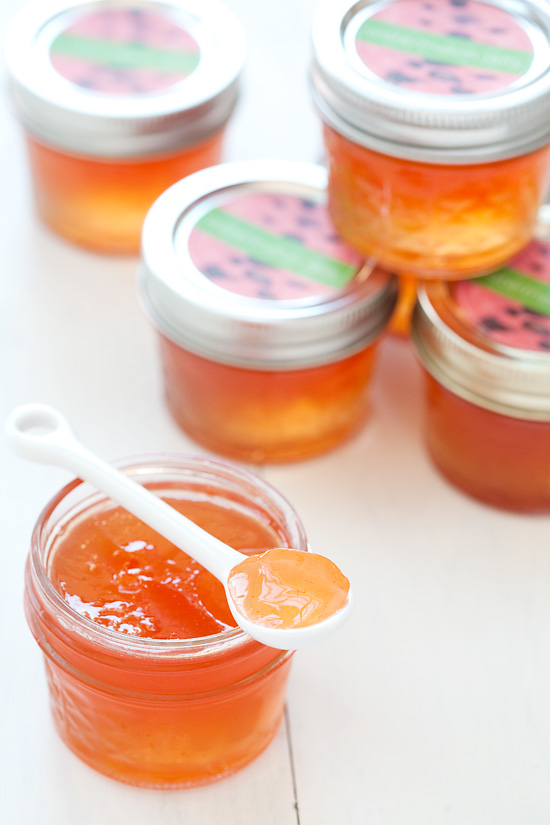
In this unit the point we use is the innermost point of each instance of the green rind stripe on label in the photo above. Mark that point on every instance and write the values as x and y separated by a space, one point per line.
534 295
458 51
125 55
274 250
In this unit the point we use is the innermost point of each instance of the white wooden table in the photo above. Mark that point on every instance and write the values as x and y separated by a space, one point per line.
433 705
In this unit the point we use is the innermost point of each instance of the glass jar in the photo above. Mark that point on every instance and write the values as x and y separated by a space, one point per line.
118 101
267 321
159 712
485 348
437 128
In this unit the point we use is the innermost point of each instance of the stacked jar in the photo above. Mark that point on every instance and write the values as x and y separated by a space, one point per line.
437 131
118 101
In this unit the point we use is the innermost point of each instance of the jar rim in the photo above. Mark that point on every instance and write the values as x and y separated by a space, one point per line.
213 469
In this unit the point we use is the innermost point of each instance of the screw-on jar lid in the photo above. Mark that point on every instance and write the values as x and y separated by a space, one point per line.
123 78
487 340
447 81
242 265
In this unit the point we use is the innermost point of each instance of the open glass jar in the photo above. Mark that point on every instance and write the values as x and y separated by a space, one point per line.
268 323
485 348
437 128
156 710
118 101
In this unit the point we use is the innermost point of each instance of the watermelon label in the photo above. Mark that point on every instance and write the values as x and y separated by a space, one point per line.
125 51
451 47
272 246
512 306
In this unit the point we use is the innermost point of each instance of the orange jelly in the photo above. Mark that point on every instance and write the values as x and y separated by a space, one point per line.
101 203
268 323
498 459
434 221
150 681
118 101
266 415
435 127
401 319
485 348
286 588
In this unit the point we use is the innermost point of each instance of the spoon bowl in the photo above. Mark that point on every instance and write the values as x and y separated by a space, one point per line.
40 433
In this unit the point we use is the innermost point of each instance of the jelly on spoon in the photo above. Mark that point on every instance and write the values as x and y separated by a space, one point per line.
284 598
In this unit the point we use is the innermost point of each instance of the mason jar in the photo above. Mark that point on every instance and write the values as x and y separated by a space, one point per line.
484 345
268 323
118 100
437 128
156 705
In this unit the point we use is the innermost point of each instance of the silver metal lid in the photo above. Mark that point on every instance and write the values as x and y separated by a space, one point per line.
241 265
487 340
124 78
441 82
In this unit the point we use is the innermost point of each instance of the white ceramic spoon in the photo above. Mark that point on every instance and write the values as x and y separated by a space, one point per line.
40 433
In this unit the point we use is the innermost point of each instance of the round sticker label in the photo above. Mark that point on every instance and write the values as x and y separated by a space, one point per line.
125 51
512 306
445 47
272 246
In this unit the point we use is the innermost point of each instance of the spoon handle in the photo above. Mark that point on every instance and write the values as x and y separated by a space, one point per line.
40 433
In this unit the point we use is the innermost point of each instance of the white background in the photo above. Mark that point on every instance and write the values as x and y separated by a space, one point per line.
433 705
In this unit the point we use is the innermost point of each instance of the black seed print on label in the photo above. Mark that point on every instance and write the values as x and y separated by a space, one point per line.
399 77
215 272
493 324
452 78
258 276
540 329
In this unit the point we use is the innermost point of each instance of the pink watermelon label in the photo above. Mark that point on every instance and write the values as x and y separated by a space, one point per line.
272 246
512 306
445 47
125 51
